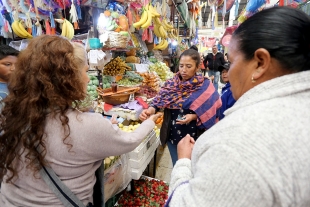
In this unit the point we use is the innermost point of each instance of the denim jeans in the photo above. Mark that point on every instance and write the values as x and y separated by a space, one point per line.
173 152
216 75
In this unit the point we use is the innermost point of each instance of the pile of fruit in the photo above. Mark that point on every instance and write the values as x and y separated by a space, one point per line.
152 193
162 70
115 67
130 78
110 161
131 127
151 80
92 86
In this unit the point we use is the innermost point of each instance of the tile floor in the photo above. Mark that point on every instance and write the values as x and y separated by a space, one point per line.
163 164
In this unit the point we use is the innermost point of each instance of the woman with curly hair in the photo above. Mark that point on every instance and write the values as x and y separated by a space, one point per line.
42 125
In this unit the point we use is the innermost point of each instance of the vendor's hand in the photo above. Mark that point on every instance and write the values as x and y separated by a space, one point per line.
187 120
212 77
113 119
185 147
154 117
145 114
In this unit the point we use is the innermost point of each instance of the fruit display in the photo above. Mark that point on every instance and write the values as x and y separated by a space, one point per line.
110 161
92 86
151 80
112 21
115 67
131 127
162 70
67 29
130 78
20 30
146 192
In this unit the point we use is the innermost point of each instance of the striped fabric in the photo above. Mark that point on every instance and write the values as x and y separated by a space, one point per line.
197 94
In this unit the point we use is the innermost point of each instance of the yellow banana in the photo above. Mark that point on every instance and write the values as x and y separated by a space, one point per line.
159 45
163 46
148 21
16 29
64 29
167 25
70 29
157 20
156 32
23 31
162 32
143 19
153 11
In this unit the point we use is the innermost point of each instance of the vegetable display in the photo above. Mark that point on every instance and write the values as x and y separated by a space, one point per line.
130 78
115 67
92 86
162 70
146 192
151 80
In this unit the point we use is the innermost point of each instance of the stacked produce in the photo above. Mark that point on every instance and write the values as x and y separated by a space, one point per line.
151 80
162 70
131 57
115 67
110 161
131 127
106 82
130 78
92 86
146 192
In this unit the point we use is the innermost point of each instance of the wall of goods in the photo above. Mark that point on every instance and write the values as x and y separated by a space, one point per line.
129 47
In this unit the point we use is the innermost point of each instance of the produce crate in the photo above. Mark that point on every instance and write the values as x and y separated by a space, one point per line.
136 173
149 150
139 151
146 191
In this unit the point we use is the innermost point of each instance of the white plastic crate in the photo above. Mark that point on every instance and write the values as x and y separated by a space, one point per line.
139 151
136 173
133 163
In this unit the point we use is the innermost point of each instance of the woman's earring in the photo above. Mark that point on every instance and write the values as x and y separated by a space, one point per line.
253 81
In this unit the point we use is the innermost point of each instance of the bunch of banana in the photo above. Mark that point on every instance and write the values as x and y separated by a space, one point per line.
67 28
146 18
173 34
162 45
20 30
162 28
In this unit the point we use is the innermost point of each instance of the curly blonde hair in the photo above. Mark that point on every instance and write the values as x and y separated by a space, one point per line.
47 81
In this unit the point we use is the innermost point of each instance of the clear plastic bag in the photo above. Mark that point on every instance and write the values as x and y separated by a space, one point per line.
116 177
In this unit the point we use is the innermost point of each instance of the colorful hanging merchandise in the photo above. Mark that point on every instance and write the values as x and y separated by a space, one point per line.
252 7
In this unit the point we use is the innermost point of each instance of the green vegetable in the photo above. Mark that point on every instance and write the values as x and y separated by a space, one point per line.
95 82
93 88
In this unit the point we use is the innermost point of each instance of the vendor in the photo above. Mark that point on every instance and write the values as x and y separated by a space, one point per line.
189 101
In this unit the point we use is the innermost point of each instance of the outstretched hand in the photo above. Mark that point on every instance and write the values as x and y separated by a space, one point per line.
185 147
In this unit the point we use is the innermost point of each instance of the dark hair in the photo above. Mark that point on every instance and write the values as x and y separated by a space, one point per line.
193 54
283 31
194 47
47 81
6 50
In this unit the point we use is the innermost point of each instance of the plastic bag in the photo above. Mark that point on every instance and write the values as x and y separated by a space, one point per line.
116 177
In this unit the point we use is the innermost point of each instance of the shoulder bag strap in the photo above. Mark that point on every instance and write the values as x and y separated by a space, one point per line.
65 195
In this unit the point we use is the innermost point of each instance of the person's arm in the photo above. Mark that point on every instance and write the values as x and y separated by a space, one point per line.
217 177
205 62
103 140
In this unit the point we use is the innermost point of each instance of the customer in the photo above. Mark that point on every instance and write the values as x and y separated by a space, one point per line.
8 58
226 95
258 155
42 111
190 103
212 61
